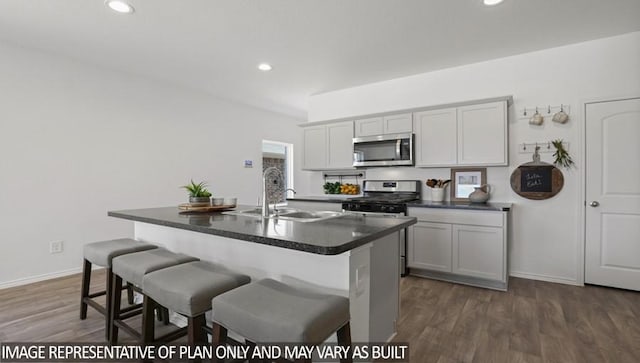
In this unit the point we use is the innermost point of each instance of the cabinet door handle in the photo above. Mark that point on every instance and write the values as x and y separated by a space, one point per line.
594 203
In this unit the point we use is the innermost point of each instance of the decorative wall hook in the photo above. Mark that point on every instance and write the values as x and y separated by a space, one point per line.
552 111
529 147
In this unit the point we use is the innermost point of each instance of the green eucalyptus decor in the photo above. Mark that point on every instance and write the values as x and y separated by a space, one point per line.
562 157
198 193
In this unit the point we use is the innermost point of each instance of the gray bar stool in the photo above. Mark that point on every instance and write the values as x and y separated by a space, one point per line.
101 254
269 311
186 289
132 268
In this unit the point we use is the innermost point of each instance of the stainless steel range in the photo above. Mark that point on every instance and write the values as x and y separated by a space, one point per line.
388 198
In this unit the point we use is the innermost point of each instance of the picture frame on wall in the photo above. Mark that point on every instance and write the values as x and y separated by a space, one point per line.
464 181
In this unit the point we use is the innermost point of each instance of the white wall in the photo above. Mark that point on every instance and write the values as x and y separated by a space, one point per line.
77 141
546 234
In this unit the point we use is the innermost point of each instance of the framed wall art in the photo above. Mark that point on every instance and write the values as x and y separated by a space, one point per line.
464 181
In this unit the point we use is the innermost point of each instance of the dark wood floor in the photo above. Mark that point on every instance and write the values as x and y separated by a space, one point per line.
533 322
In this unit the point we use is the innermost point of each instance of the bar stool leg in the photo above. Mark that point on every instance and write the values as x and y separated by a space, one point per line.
165 316
84 292
195 330
218 337
148 320
129 293
116 297
107 312
162 314
344 339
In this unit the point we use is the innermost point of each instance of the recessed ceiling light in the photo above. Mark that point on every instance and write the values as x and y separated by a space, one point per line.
265 67
119 6
492 2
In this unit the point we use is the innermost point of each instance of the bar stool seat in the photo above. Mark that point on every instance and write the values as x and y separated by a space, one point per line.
102 254
132 268
269 311
188 289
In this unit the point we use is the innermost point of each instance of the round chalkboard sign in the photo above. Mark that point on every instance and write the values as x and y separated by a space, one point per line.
537 180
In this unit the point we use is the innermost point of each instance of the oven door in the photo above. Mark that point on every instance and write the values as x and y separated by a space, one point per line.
403 237
383 150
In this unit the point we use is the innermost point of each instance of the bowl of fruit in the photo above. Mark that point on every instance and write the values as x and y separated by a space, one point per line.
339 188
351 189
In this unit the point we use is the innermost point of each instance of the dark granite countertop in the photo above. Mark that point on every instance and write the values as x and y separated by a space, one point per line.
460 205
326 199
326 237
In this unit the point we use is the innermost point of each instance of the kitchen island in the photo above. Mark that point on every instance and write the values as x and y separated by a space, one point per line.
350 255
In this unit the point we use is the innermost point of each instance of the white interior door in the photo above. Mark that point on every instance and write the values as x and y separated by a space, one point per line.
612 232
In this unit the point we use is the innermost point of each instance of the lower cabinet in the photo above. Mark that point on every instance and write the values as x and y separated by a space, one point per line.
430 246
478 251
469 247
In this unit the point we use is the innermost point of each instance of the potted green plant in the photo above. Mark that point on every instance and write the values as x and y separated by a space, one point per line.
199 196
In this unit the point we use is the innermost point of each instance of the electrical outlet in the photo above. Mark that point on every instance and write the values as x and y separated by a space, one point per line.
56 247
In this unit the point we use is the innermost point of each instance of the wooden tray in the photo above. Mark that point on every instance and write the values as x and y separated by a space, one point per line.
186 207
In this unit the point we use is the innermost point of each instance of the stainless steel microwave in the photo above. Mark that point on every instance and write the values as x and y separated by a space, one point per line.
383 150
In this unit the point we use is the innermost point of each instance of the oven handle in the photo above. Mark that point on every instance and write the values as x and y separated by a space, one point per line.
393 215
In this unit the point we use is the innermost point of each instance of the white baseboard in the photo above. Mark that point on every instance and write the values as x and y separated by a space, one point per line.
38 278
549 278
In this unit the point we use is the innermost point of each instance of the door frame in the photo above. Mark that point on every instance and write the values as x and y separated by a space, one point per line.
582 216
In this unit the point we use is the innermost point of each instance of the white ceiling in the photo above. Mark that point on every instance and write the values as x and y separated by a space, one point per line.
314 45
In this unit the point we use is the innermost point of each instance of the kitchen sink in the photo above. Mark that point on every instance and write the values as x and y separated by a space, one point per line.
258 211
290 214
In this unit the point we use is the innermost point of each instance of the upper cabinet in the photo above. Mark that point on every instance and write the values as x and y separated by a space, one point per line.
390 124
369 127
462 136
482 134
435 141
315 147
328 146
340 145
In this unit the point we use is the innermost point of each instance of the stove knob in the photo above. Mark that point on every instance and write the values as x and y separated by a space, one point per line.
384 208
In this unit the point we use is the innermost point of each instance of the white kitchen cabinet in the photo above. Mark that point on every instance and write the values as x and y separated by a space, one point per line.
436 137
398 124
429 246
465 246
340 145
473 135
478 251
390 124
482 134
328 147
315 147
369 127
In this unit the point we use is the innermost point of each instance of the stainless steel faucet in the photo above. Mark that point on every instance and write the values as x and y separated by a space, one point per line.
265 195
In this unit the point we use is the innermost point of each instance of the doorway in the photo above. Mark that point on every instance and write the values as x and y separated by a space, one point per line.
612 192
279 155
